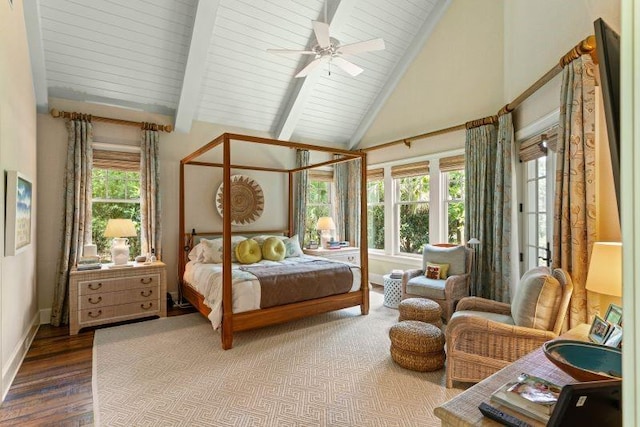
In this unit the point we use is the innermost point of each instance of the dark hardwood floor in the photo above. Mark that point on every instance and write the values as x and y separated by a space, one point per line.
53 385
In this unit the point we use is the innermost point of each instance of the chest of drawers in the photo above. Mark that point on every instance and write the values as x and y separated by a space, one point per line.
108 295
348 254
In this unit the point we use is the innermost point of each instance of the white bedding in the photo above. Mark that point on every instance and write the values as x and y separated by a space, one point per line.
207 279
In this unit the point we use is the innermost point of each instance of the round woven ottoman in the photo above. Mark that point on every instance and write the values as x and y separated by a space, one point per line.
422 309
417 345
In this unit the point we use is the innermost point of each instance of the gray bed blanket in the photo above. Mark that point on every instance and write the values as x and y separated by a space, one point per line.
285 284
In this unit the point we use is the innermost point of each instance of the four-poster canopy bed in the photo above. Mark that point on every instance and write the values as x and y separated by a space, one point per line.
355 293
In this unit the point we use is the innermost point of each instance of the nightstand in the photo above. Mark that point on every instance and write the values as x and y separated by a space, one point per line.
108 295
347 254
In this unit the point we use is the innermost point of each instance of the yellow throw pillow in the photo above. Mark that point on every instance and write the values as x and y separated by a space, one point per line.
274 249
248 252
444 268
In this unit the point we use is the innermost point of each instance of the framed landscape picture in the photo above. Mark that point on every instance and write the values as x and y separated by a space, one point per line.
18 200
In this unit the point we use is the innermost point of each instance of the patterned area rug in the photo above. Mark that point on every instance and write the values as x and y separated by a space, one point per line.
328 370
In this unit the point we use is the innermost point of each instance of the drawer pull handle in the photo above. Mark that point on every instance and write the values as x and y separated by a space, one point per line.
95 286
98 314
91 301
147 295
146 280
146 308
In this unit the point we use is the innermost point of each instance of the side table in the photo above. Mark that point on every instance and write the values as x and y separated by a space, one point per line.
392 291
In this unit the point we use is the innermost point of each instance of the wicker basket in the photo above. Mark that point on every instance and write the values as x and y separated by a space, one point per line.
422 309
417 345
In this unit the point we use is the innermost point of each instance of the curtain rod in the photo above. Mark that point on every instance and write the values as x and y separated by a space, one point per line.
586 46
144 125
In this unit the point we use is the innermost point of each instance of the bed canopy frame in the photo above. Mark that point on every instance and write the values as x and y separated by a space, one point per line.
234 322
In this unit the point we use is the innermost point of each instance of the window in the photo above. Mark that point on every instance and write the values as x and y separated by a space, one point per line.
375 208
412 206
116 194
452 169
537 222
318 202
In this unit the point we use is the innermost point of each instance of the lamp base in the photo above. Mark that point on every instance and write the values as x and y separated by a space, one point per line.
119 252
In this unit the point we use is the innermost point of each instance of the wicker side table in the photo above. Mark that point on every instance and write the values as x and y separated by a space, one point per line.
417 345
422 309
392 291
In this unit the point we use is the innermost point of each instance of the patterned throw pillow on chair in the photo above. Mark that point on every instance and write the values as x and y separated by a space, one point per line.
443 269
433 272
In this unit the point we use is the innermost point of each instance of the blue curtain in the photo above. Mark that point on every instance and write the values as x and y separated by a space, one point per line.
489 209
300 200
150 208
77 215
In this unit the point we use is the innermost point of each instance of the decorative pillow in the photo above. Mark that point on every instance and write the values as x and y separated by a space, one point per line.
196 254
536 299
433 272
274 249
443 269
212 249
293 246
248 252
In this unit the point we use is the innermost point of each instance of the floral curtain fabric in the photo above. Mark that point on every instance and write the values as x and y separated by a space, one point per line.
300 202
150 208
347 176
574 225
341 198
77 215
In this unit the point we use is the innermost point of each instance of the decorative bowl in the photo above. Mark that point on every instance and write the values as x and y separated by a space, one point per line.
585 361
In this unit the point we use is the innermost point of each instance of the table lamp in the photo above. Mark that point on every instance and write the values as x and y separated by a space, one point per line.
120 229
605 269
325 226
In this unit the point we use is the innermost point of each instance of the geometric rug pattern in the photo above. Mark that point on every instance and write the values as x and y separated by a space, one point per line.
332 369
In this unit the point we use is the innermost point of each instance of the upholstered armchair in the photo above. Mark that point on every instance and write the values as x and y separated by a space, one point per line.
483 336
450 285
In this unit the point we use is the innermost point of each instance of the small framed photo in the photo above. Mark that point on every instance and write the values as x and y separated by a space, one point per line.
614 339
614 314
599 330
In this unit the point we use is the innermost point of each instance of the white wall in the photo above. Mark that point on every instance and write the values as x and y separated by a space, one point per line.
18 302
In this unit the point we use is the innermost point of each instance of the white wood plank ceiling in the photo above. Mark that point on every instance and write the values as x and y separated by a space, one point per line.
207 60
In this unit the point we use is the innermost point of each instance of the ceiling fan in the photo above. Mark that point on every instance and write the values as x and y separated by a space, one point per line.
329 50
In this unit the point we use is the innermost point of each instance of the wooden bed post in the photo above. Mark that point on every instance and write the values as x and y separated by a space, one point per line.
181 255
291 225
227 305
364 244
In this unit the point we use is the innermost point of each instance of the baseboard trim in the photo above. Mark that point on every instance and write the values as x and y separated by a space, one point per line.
17 357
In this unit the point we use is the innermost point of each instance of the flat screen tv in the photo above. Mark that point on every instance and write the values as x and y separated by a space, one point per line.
608 51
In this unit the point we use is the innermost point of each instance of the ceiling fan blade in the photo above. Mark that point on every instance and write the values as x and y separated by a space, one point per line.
366 46
321 29
347 66
290 52
311 66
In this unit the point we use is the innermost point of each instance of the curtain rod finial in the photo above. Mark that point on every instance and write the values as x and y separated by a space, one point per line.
55 113
168 128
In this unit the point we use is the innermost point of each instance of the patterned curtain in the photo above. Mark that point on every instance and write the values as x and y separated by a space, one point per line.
341 198
150 209
300 202
574 226
77 215
505 242
480 152
353 214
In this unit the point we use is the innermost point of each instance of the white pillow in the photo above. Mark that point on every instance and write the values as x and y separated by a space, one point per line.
196 254
212 249
293 246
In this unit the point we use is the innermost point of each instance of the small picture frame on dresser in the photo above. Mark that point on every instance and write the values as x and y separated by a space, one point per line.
312 245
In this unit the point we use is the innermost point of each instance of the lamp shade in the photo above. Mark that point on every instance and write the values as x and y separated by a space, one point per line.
120 228
325 223
605 269
473 241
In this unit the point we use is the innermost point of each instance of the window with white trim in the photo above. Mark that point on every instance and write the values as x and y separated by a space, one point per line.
375 208
452 170
411 208
319 204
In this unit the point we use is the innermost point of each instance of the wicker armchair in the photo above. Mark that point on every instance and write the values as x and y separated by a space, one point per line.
446 292
484 336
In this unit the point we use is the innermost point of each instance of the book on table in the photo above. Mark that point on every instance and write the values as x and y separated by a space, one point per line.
529 395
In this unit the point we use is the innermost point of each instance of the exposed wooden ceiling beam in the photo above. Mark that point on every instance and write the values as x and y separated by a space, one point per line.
196 63
401 67
36 53
302 90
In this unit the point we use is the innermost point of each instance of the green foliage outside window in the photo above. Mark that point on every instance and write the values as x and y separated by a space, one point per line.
375 214
116 194
318 205
414 213
455 206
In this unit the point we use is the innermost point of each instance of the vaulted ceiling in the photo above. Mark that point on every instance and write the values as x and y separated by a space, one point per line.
207 60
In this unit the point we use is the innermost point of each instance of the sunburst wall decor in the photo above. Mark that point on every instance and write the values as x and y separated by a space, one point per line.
247 200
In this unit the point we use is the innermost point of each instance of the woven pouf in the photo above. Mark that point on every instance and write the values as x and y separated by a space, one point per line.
422 309
417 345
